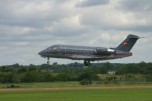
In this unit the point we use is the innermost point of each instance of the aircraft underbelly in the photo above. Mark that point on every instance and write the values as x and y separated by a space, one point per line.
92 57
83 57
74 57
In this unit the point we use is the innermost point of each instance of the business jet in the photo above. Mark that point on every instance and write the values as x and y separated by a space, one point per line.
90 53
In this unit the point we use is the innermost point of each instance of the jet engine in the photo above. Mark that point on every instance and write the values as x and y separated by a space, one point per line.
104 51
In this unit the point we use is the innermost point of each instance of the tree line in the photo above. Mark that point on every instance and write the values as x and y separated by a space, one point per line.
70 72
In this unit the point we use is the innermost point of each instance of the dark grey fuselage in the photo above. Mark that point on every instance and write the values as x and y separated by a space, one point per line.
82 53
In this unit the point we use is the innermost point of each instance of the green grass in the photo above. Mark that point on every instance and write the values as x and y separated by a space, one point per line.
44 85
80 95
75 84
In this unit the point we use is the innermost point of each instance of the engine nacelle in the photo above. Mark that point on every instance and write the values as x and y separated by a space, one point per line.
104 51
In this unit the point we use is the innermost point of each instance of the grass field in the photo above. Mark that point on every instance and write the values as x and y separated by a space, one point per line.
80 95
73 91
74 84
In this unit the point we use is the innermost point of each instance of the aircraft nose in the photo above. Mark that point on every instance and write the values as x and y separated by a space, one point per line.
42 52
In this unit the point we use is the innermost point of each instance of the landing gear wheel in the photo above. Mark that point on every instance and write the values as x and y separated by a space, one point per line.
87 63
48 62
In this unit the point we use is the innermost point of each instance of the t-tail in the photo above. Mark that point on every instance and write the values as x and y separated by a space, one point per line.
128 43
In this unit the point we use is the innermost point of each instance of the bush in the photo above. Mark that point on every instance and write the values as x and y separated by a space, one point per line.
106 82
149 78
85 82
32 76
62 77
88 75
13 86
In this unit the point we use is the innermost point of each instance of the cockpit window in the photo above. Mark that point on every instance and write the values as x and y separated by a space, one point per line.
50 48
54 49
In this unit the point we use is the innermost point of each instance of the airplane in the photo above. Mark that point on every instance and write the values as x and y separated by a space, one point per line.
90 53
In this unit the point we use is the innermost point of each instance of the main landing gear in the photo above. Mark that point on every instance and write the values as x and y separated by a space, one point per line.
87 63
48 62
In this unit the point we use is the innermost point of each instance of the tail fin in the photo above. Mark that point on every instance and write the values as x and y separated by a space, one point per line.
128 43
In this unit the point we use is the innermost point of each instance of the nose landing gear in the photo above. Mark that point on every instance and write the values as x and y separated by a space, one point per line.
48 60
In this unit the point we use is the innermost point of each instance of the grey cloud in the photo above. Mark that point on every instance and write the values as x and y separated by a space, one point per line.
34 13
67 31
136 5
61 1
113 21
141 10
89 3
107 26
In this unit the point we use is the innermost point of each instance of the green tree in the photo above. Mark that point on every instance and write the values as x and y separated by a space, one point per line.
62 77
48 77
32 76
88 75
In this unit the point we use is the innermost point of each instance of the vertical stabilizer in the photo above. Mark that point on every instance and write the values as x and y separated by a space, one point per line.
128 43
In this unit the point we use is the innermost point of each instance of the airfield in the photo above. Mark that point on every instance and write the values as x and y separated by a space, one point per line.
78 93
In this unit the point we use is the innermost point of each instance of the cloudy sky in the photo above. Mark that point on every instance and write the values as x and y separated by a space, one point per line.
29 26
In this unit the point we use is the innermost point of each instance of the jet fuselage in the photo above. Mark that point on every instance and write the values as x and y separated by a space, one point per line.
83 53
90 53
